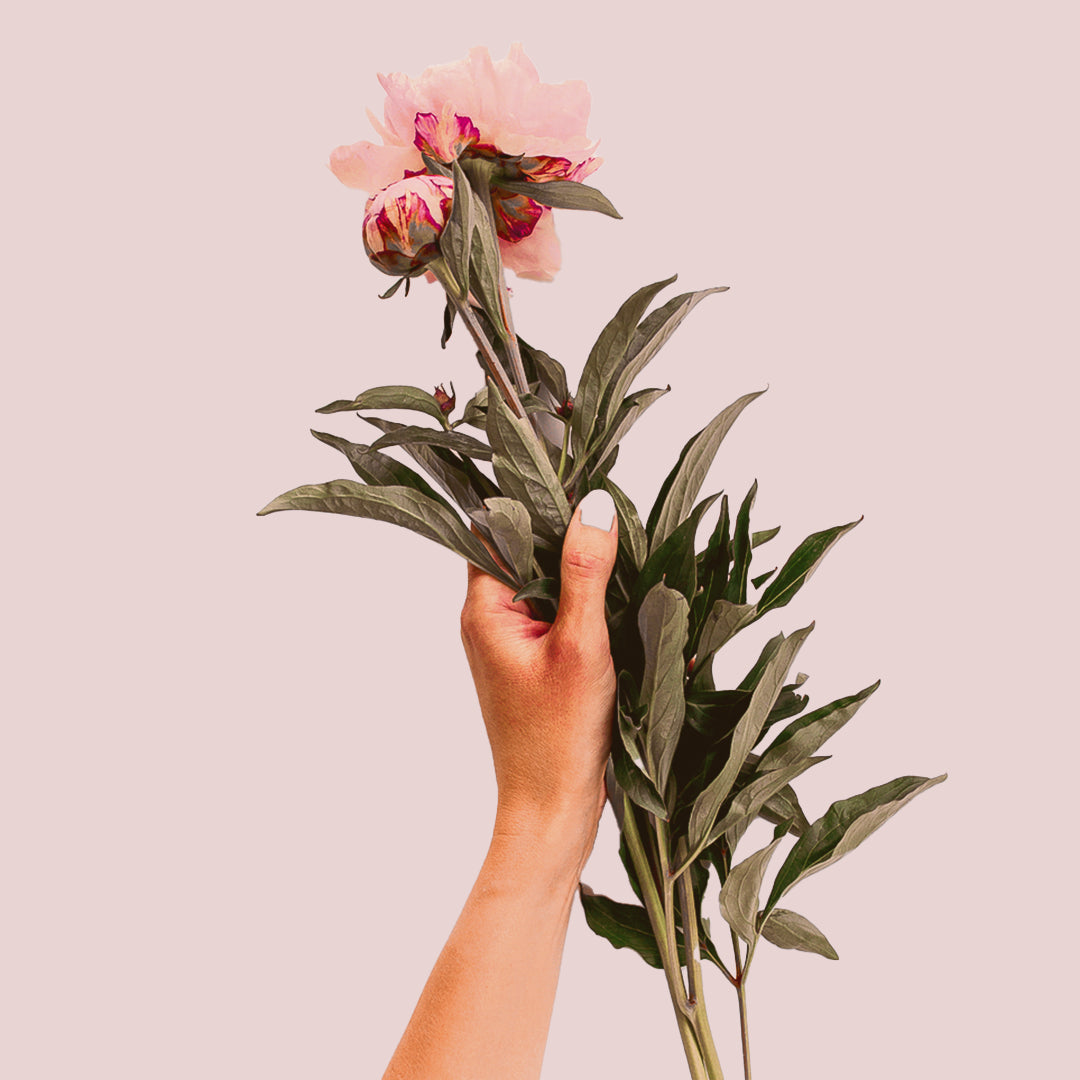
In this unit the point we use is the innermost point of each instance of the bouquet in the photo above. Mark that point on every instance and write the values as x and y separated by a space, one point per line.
475 157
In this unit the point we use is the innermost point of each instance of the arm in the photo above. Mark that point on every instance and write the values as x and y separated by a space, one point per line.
546 693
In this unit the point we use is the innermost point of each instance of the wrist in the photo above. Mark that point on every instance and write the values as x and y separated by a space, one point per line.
554 840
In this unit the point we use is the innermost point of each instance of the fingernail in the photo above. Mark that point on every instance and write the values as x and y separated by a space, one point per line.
598 510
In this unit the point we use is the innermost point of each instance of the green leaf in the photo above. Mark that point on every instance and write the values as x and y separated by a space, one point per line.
721 624
451 440
708 803
802 563
740 892
548 370
561 195
627 761
379 469
789 930
845 825
390 397
747 803
740 550
632 538
680 489
804 736
457 476
662 623
674 562
783 809
511 529
544 588
762 578
524 471
603 361
626 926
400 505
603 450
648 339
455 243
763 537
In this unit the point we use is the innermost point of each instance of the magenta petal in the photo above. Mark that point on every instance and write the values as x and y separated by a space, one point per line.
444 137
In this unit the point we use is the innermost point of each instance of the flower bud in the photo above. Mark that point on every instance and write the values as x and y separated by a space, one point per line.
403 221
444 400
566 409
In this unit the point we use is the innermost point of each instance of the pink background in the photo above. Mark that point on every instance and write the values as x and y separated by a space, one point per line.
244 787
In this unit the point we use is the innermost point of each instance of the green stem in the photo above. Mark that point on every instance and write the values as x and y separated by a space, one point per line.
668 947
565 442
740 990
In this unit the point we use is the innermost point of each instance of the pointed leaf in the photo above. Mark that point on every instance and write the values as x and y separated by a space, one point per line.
674 562
604 360
740 550
455 243
523 469
551 374
845 825
802 563
630 767
604 449
708 803
452 440
626 926
662 623
789 930
400 505
544 588
721 624
632 538
739 895
389 397
783 809
763 537
511 529
680 489
760 580
804 736
561 194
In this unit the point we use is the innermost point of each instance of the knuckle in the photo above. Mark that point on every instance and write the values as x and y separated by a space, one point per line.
586 564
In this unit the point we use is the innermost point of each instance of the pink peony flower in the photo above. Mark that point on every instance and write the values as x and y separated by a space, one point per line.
480 107
403 222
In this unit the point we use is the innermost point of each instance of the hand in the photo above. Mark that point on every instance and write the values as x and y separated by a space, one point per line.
547 690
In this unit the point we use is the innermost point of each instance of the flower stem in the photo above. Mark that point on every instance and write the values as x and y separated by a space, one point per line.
740 990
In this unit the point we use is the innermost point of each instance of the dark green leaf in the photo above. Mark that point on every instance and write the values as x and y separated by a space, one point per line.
632 538
721 624
740 550
390 397
524 471
379 469
763 537
802 563
762 578
674 562
393 289
451 440
662 623
601 455
804 736
400 505
708 803
845 825
789 930
650 336
680 489
561 195
603 361
448 323
626 926
544 588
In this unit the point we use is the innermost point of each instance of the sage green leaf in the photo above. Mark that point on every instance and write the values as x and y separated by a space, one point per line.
763 537
674 562
484 266
740 550
662 623
451 440
845 825
475 410
721 624
760 580
630 767
789 930
740 892
708 803
632 538
561 195
648 339
746 804
457 476
523 469
783 809
550 373
379 469
400 505
511 529
768 650
455 243
804 736
802 563
544 588
604 449
603 361
626 926
680 489
394 288
390 397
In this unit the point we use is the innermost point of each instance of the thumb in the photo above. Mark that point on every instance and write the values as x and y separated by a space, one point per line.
588 557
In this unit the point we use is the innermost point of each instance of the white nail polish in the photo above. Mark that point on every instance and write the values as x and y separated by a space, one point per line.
597 510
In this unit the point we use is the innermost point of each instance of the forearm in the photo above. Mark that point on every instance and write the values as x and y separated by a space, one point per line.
486 1008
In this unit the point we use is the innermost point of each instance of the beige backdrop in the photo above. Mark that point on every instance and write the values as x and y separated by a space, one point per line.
245 787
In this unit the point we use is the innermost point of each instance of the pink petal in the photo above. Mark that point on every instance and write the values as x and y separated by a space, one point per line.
537 257
369 167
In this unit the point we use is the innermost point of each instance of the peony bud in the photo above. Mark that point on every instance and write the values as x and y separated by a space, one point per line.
444 400
566 409
402 223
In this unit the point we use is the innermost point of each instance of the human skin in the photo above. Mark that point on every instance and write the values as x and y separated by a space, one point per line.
547 695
